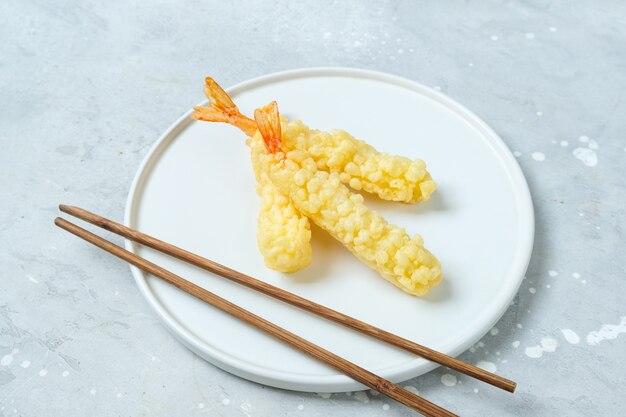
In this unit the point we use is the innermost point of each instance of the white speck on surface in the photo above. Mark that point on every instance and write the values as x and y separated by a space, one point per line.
43 372
539 113
587 156
300 407
246 407
548 286
553 273
584 281
32 279
570 336
519 325
576 275
517 153
534 351
581 214
400 51
494 331
118 395
515 344
386 407
327 35
481 344
538 156
200 405
552 29
448 380
487 366
225 401
564 143
548 344
437 88
92 391
471 64
553 141
607 332
472 349
412 389
475 390
374 393
584 139
325 395
15 351
6 360
593 145
494 38
65 373
530 35
25 364
532 290
361 396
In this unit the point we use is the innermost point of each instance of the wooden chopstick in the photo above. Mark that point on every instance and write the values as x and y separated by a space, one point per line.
350 369
291 298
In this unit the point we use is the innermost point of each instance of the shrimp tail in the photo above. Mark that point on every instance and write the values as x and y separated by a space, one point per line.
222 109
268 121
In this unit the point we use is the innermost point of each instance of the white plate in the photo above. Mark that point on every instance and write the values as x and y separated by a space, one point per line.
196 189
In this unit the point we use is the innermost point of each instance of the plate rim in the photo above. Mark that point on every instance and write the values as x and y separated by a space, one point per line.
339 382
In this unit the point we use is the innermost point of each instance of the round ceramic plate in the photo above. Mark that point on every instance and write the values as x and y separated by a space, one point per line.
196 190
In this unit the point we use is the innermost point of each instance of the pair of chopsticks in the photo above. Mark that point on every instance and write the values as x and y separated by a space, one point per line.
346 367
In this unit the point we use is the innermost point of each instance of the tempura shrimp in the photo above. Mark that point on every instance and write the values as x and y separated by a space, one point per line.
283 234
358 164
322 197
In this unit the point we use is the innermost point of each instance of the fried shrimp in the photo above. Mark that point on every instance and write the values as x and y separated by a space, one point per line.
358 164
283 234
321 196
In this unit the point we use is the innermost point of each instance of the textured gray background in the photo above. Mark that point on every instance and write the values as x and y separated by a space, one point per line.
87 87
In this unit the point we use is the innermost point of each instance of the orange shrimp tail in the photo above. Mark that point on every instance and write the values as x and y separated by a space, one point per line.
268 122
217 96
222 109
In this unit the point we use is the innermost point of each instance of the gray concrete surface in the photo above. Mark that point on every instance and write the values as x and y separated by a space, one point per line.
88 86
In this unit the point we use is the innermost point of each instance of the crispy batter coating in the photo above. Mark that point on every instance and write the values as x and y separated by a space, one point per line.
360 165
